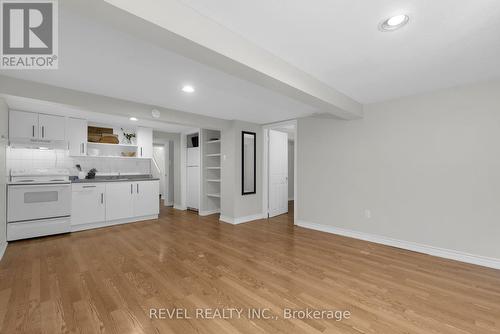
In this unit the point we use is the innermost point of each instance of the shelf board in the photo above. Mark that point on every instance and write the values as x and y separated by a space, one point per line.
117 145
213 180
111 156
213 141
213 168
214 195
213 155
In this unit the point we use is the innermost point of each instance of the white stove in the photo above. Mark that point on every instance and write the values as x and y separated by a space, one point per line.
39 175
38 203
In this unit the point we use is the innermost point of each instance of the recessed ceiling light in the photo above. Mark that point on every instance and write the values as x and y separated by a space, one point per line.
188 89
134 119
394 22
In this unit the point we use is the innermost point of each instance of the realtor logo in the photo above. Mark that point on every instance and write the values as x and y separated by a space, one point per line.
29 34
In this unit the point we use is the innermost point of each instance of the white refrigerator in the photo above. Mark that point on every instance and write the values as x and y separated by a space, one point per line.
193 178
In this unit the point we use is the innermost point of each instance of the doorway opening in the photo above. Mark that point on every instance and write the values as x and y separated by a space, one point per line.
280 169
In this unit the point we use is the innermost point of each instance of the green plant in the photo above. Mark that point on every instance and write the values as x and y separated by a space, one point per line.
128 136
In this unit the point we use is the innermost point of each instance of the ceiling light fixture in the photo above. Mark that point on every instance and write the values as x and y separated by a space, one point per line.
394 23
134 119
188 89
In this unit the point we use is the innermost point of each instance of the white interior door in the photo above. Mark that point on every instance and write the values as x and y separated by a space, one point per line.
278 173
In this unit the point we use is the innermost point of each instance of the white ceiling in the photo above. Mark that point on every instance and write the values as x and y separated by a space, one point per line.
98 59
447 42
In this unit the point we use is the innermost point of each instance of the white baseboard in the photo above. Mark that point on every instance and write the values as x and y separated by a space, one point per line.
290 199
180 207
83 227
208 212
408 245
3 247
165 203
241 220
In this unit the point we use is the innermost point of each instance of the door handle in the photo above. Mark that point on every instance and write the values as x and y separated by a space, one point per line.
89 186
33 131
141 151
43 131
131 188
137 187
102 198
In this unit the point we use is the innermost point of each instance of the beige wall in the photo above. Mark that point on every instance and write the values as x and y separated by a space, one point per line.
427 167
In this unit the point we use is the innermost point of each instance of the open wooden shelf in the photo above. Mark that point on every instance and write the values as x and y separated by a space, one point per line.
109 145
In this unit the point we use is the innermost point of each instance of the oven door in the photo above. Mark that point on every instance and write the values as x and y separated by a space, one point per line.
38 201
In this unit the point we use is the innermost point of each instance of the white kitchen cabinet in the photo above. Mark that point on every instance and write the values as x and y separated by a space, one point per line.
193 156
51 127
23 124
147 198
119 200
193 187
28 125
88 203
76 130
144 142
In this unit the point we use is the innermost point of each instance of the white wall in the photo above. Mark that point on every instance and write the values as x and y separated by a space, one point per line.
291 179
427 167
3 176
233 204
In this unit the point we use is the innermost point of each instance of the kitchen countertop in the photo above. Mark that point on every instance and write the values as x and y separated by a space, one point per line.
129 178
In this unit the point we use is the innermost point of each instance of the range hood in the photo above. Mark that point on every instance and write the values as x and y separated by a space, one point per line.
38 144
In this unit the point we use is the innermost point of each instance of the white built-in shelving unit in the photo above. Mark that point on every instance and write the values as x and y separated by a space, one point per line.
211 173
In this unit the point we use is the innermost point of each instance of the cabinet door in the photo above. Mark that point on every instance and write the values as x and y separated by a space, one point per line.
23 124
51 127
88 204
193 187
147 198
76 130
119 200
144 142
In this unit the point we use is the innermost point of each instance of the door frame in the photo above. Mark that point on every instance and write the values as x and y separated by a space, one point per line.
265 167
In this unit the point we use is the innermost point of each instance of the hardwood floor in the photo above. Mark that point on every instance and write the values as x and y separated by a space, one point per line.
107 280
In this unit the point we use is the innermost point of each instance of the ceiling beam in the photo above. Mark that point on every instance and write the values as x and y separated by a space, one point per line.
174 26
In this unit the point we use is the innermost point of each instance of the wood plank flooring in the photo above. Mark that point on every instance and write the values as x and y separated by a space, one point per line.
107 280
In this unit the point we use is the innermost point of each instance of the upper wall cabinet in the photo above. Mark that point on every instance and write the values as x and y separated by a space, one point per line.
34 126
77 136
51 127
144 142
23 124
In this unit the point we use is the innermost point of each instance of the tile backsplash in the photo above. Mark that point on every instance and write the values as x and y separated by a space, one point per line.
35 158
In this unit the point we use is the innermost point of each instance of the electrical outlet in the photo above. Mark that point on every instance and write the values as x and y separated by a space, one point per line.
368 214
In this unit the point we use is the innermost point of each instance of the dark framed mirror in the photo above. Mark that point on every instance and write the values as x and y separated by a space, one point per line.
248 163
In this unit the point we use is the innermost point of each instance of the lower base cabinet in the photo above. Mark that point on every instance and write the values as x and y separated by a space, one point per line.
87 203
119 200
94 203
